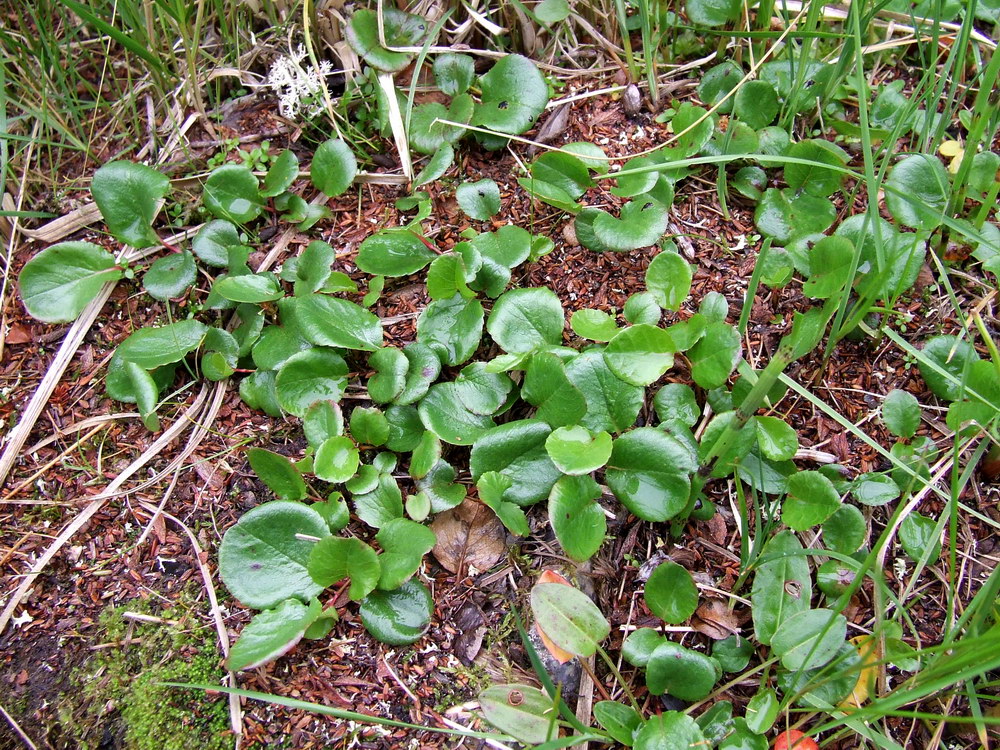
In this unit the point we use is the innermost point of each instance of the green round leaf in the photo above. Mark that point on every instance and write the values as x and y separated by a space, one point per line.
641 225
675 402
453 73
336 459
815 179
427 133
809 639
564 171
594 325
577 519
834 577
546 385
712 12
845 530
526 319
129 196
670 730
382 504
313 268
369 426
776 438
400 30
251 288
522 711
681 672
811 500
514 94
310 376
282 173
390 367
756 104
874 489
329 321
278 473
444 414
333 167
668 278
170 277
917 191
650 473
62 279
404 544
733 653
322 420
619 721
231 193
393 252
398 617
717 81
919 536
641 308
436 166
901 413
451 328
577 451
272 633
670 593
762 711
262 562
640 645
154 347
781 586
424 368
213 241
481 391
715 355
480 200
640 354
517 451
951 355
783 215
569 618
335 558
612 404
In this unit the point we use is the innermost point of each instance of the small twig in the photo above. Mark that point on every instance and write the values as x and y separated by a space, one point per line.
17 728
148 618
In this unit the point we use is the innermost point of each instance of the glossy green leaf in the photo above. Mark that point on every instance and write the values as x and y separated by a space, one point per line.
681 672
576 517
436 166
451 328
811 500
516 450
312 375
481 391
762 711
336 459
313 267
428 132
809 639
576 451
919 537
650 473
781 585
668 278
641 224
329 321
322 420
423 369
670 730
333 167
514 94
369 426
640 354
169 277
830 262
272 634
526 319
262 562
492 485
670 593
566 172
756 104
901 413
715 84
733 653
917 191
594 325
281 174
783 215
845 530
390 366
381 505
618 720
440 487
258 392
405 428
776 438
815 179
522 711
404 544
641 308
146 395
676 402
612 404
547 386
129 196
479 200
955 357
400 30
453 73
446 278
715 355
252 288
712 12
874 489
640 645
61 280
569 618
278 473
231 193
393 252
154 347
213 241
335 558
399 617
444 414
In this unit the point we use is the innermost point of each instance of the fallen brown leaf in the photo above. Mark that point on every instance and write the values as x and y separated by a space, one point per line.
714 619
468 537
18 334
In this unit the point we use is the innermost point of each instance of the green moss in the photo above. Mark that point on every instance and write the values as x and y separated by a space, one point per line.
120 692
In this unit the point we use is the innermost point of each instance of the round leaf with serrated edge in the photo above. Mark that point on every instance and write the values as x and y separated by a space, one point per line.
547 386
526 319
522 711
154 347
479 200
575 450
874 489
336 459
170 277
668 278
676 402
322 420
231 193
251 288
444 414
335 558
333 167
815 179
272 633
62 279
451 328
393 252
390 367
312 375
398 617
612 404
569 618
400 30
650 473
811 500
715 355
364 481
776 438
681 672
275 345
640 354
382 504
213 241
901 413
845 530
262 562
329 321
405 428
670 593
282 173
577 519
453 73
128 196
514 94
404 544
917 191
492 485
278 473
809 639
641 225
517 450
756 104
594 325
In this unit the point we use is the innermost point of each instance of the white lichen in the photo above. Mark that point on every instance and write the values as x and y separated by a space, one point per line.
300 88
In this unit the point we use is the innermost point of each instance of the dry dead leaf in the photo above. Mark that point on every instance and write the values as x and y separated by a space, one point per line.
18 334
714 619
468 537
560 655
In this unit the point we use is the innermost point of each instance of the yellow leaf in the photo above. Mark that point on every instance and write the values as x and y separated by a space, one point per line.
950 148
865 644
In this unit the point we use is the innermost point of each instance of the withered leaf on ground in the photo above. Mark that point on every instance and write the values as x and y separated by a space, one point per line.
714 619
469 537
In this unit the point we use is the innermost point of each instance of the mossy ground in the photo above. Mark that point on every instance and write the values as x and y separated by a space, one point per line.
117 700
